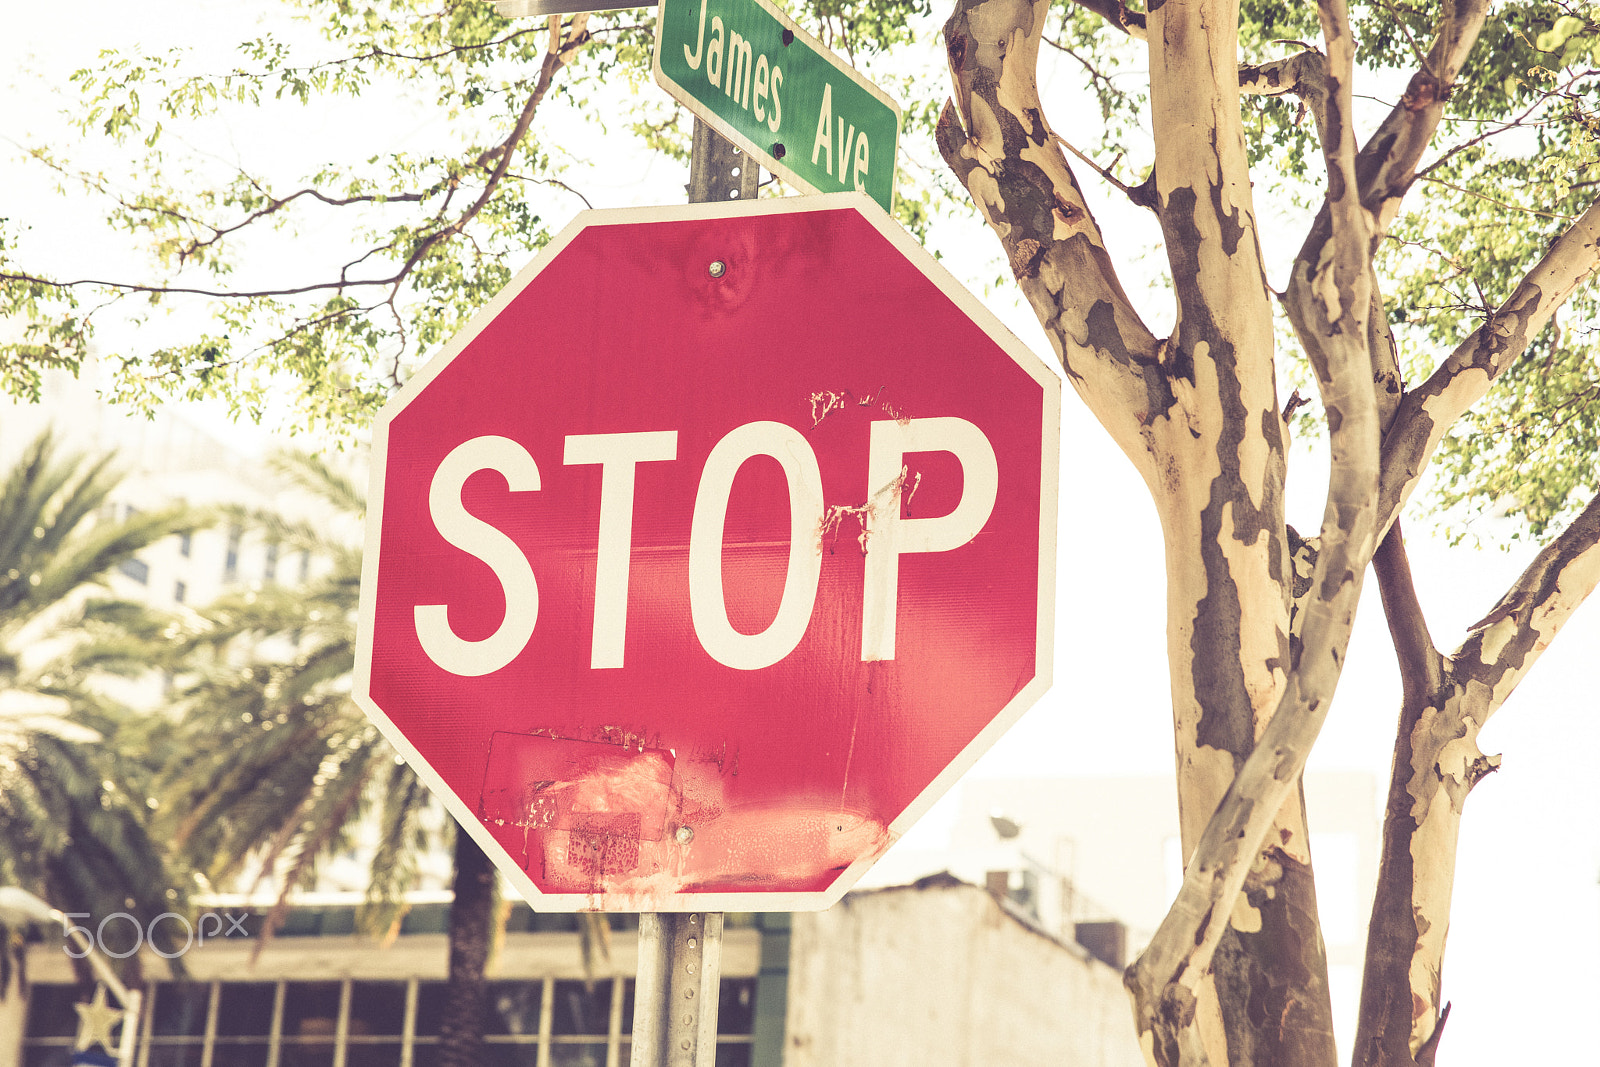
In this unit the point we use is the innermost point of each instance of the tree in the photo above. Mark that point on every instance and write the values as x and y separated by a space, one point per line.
428 236
274 767
1259 616
74 808
1436 250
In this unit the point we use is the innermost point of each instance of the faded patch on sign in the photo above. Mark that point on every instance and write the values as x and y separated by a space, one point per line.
621 822
596 801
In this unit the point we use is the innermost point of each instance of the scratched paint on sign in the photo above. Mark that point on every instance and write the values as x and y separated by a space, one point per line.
607 818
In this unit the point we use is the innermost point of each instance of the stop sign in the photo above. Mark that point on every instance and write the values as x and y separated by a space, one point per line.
710 554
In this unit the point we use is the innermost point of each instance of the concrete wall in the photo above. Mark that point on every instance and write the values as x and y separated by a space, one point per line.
13 1016
938 973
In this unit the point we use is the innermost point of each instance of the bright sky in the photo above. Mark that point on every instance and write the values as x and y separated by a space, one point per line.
1526 923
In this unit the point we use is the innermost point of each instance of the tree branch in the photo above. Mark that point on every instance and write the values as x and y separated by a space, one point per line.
999 145
1421 666
561 52
1504 127
276 204
1117 14
1437 763
1430 408
1386 163
1388 160
1491 200
1502 647
1137 195
126 288
1388 384
1304 74
382 53
1203 186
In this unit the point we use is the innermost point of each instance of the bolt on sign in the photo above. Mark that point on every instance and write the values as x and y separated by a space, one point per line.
710 554
757 78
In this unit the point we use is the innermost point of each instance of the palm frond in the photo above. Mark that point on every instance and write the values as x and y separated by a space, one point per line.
401 839
313 474
274 526
279 766
88 558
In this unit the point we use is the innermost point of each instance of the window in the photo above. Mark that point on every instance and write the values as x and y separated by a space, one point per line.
230 562
269 569
180 592
135 568
375 1024
185 544
245 1011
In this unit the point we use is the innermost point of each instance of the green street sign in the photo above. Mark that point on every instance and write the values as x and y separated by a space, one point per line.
748 71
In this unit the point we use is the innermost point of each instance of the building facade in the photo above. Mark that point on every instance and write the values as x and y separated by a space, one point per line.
940 971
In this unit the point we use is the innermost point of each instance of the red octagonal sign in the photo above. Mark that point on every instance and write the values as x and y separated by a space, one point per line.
710 554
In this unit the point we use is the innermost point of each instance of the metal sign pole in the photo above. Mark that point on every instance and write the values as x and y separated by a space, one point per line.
675 995
718 170
680 953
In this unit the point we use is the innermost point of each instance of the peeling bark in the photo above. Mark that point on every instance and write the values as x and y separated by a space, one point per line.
1388 161
1437 762
1386 165
1229 853
1304 74
995 138
1383 171
1386 1013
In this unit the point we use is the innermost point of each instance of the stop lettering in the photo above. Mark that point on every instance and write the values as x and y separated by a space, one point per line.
885 534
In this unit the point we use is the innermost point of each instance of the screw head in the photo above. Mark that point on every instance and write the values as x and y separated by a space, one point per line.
717 268
684 834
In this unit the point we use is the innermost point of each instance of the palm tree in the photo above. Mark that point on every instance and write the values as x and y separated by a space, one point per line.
73 808
276 767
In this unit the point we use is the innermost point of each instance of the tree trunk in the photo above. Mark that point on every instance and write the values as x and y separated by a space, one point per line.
1197 414
466 1001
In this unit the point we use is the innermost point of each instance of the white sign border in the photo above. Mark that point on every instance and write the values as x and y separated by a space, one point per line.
1049 477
